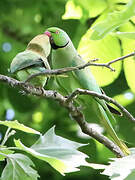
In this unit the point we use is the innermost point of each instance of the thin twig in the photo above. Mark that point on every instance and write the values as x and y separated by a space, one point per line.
121 58
52 72
108 65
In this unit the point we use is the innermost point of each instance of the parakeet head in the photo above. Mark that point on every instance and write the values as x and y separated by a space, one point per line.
58 37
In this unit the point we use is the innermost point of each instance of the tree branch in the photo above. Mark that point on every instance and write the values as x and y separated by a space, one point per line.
52 72
76 114
121 58
100 96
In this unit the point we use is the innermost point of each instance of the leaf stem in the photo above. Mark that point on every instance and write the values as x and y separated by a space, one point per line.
3 154
7 135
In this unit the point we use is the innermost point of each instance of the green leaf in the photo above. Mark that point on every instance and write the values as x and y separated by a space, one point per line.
92 8
16 125
121 168
72 11
131 176
113 21
105 51
60 153
19 168
4 151
126 98
129 35
128 46
83 9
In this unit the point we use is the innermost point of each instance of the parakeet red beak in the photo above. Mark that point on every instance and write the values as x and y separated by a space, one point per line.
48 33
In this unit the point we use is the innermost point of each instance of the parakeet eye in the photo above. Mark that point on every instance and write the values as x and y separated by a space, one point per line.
57 32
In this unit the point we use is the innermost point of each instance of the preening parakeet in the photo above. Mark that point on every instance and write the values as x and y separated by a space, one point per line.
63 55
33 60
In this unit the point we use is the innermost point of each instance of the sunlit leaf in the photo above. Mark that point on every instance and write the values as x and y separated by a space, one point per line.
83 9
91 8
4 151
96 166
113 21
60 153
37 117
121 168
125 98
128 46
16 125
131 176
106 50
129 35
72 11
19 168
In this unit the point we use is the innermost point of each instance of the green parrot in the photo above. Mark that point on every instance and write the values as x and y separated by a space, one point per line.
33 60
63 55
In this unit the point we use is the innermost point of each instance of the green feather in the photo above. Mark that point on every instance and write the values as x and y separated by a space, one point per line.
27 63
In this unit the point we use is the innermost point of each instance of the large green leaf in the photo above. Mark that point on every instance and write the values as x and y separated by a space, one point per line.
129 35
16 125
19 168
126 98
131 176
128 46
72 11
91 8
106 50
96 7
83 9
60 153
121 168
113 21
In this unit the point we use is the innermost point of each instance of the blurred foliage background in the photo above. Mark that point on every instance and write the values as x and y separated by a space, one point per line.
20 21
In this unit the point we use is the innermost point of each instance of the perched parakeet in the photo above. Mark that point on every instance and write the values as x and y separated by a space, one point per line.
63 55
33 60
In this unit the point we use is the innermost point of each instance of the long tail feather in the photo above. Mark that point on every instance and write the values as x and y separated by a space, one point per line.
106 118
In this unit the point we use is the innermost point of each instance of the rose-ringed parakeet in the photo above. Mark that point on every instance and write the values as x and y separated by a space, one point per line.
63 55
33 60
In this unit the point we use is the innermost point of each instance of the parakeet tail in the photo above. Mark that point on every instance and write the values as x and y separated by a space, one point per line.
106 118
